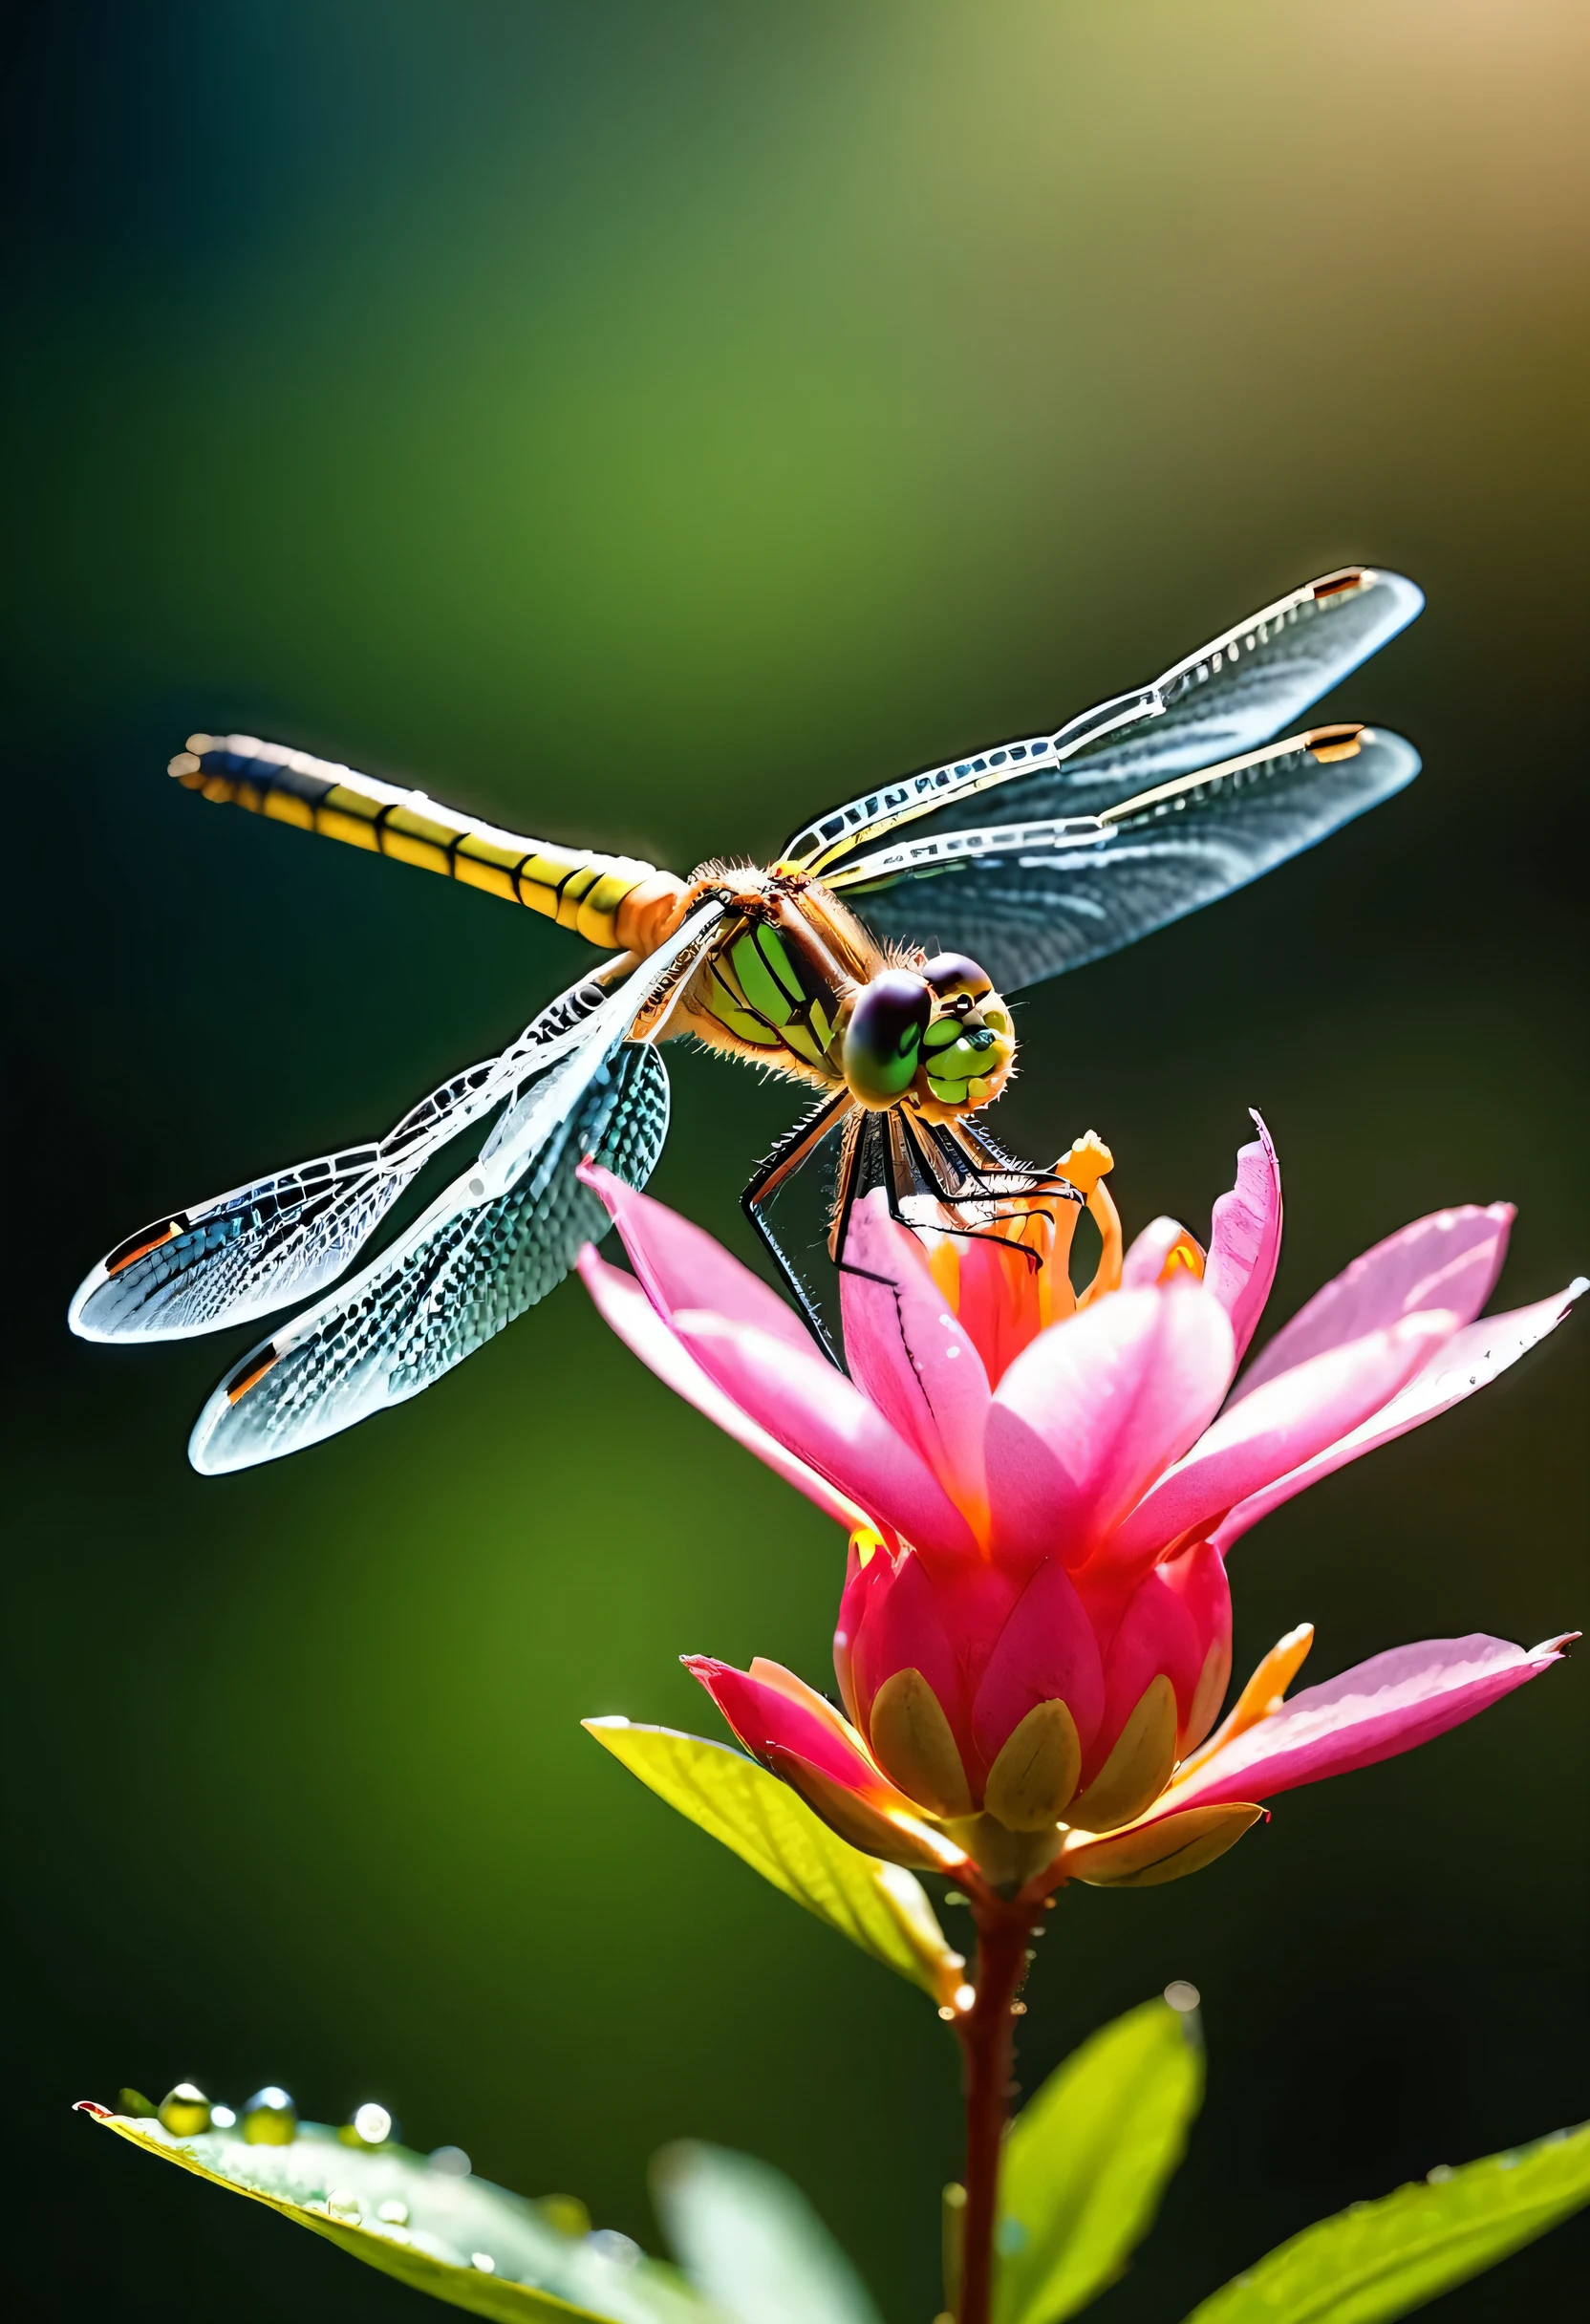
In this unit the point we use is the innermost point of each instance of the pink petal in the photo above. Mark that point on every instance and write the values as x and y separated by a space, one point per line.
1096 1407
1244 1239
1198 1578
1047 1652
909 1353
1304 1412
820 1416
1383 1707
1449 1260
1155 1634
1140 1269
905 1630
999 1301
622 1304
681 1267
863 1582
764 1719
1465 1362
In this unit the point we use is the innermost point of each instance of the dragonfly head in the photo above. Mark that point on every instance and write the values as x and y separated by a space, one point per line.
937 1036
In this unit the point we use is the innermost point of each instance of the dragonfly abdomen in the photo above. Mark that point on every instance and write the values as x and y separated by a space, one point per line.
612 900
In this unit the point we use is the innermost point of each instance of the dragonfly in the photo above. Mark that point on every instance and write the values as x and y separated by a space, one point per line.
872 962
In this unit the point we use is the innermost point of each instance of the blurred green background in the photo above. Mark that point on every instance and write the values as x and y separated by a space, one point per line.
651 425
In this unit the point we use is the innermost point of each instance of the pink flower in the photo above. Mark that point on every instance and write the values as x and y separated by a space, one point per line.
1034 1640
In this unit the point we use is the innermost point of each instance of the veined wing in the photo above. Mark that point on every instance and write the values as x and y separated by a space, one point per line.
1227 699
496 1241
287 1236
1029 901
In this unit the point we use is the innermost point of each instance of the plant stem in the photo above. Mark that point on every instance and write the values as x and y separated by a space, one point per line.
988 2046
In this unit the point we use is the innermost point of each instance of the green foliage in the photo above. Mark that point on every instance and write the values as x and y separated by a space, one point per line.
1087 2160
879 1907
1382 2259
751 2242
1084 2167
459 2239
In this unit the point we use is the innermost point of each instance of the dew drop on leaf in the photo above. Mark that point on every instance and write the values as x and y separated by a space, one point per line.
270 2117
185 2111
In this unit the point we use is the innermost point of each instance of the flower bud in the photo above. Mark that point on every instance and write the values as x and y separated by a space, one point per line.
1037 1700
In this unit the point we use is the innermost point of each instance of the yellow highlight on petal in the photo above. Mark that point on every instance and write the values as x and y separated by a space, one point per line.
866 1543
944 1266
1184 1256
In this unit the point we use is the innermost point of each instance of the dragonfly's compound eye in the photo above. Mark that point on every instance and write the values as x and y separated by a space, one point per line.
953 976
968 1049
883 1040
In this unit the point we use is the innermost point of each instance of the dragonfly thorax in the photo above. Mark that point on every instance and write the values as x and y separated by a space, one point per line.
797 984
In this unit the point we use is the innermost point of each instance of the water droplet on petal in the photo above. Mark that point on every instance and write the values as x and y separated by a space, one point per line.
395 2213
484 2261
622 2249
342 2204
1439 2175
185 2111
1181 1996
452 2161
270 2117
221 2117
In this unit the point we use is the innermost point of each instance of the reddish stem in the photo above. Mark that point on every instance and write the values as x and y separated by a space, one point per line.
988 2044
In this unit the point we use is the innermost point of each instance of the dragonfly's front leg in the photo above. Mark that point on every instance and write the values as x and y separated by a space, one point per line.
796 1146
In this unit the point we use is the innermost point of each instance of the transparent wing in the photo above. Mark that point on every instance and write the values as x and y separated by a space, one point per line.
287 1236
1030 901
1228 698
495 1242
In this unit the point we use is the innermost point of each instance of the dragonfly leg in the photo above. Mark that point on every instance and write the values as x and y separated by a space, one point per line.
796 1146
1044 1188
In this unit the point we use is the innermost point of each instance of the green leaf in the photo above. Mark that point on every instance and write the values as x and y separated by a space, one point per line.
459 2239
1382 2259
751 2242
1087 2160
879 1907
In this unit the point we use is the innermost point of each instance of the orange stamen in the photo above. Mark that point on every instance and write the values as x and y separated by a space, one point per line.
1259 1699
1106 1276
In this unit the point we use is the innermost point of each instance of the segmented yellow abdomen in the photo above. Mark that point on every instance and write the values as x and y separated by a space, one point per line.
576 887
